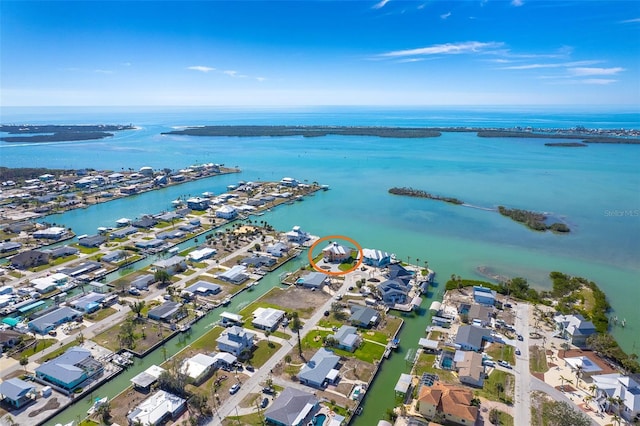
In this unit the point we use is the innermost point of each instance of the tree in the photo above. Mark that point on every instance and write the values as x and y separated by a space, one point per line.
125 335
564 380
137 307
565 347
104 412
579 369
563 414
499 388
24 360
200 403
287 359
162 276
494 416
267 333
296 325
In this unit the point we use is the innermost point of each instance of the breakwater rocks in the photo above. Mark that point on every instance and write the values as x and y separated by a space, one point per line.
410 192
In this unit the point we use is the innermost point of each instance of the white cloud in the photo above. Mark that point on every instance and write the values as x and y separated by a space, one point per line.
630 21
550 65
588 71
517 3
445 15
231 73
201 68
408 60
260 79
445 49
103 71
601 81
380 4
126 64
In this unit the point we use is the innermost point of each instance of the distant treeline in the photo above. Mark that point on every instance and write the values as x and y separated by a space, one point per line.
7 173
530 135
418 193
532 220
567 144
307 131
60 133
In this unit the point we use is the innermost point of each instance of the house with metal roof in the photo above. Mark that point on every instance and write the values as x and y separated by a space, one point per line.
267 318
292 407
92 241
202 288
51 320
484 295
149 244
122 233
88 303
377 258
226 212
277 249
157 409
297 235
146 222
29 259
16 392
198 367
201 254
394 291
235 275
320 369
172 265
114 256
69 370
472 337
347 338
49 283
257 261
235 340
167 312
63 251
363 316
148 377
8 246
313 280
143 281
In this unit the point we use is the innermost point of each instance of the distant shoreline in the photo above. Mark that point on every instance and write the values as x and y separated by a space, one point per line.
60 133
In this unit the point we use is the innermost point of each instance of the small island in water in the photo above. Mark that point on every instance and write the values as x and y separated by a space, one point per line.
60 133
533 220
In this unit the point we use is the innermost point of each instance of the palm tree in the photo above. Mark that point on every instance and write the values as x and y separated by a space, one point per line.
565 347
24 360
579 370
616 419
137 308
562 382
587 400
499 388
296 325
593 389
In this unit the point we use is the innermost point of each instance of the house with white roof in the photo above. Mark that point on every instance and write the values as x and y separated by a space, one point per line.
157 409
267 318
624 387
235 340
226 212
172 265
377 258
574 328
198 367
202 254
297 235
49 283
147 378
235 275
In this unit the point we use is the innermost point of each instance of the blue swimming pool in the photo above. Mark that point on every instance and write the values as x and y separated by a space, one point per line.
319 419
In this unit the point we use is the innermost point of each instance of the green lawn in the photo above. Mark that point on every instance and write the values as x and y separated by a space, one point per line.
537 360
502 351
207 343
376 336
101 314
263 352
86 250
490 390
425 365
368 351
505 419
41 344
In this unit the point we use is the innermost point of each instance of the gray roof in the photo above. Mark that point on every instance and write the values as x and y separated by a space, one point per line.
92 241
87 299
64 367
313 279
319 366
362 314
15 388
209 287
164 311
143 280
345 332
289 405
114 255
472 335
54 318
167 263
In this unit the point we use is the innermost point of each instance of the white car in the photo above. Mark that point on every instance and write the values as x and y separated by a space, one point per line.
235 388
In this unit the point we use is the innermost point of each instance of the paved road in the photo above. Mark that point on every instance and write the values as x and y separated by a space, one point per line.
522 408
228 408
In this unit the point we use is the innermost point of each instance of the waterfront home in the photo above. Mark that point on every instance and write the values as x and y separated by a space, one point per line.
235 275
428 345
235 340
8 246
98 287
278 249
167 312
396 271
88 303
615 385
170 235
292 407
377 258
470 368
586 364
148 377
157 409
479 314
69 370
267 318
258 261
49 283
146 171
320 369
143 282
63 251
92 241
81 269
313 280
574 328
453 403
393 291
30 259
52 233
226 212
484 296
114 256
149 244
347 338
198 203
297 235
202 288
201 254
290 182
363 316
403 385
472 337
172 265
198 367
224 359
336 253
228 319
17 393
9 338
122 233
145 222
51 320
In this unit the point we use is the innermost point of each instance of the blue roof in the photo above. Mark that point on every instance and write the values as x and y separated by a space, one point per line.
313 279
31 306
63 368
15 388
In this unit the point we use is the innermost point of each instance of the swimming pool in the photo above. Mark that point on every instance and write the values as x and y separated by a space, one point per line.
446 362
319 419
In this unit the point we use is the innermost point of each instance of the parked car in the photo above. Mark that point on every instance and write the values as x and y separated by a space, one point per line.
520 337
235 388
264 403
134 291
504 364
268 390
518 352
250 368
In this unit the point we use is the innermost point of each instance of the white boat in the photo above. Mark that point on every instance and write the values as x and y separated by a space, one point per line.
96 404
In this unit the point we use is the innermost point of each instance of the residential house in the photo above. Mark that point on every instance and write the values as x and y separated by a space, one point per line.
172 265
292 407
377 258
157 409
226 212
51 320
320 369
484 295
202 288
227 319
396 271
8 339
394 291
470 368
69 370
170 235
574 328
149 244
167 312
17 393
148 377
235 275
235 340
615 385
480 314
114 256
143 282
363 316
63 251
49 283
347 338
145 222
336 253
267 318
472 337
30 259
198 203
88 303
287 181
9 246
297 235
451 402
198 367
258 261
313 280
123 233
92 241
403 384
201 254
52 233
81 269
278 249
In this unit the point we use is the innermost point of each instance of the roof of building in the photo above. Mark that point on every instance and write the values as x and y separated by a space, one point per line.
88 299
346 335
148 376
267 317
481 312
471 366
291 407
363 314
450 399
203 287
54 317
472 335
65 367
428 344
154 408
336 249
319 366
404 382
234 274
374 254
15 388
166 310
195 366
575 324
313 279
168 263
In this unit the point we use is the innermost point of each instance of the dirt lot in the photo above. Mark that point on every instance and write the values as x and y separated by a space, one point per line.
296 298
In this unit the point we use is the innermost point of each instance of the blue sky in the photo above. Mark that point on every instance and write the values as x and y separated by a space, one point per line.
484 52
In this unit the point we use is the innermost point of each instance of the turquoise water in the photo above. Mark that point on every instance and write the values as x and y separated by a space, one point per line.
595 190
319 419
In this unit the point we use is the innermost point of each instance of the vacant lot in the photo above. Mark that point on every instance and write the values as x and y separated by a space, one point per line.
537 360
298 299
